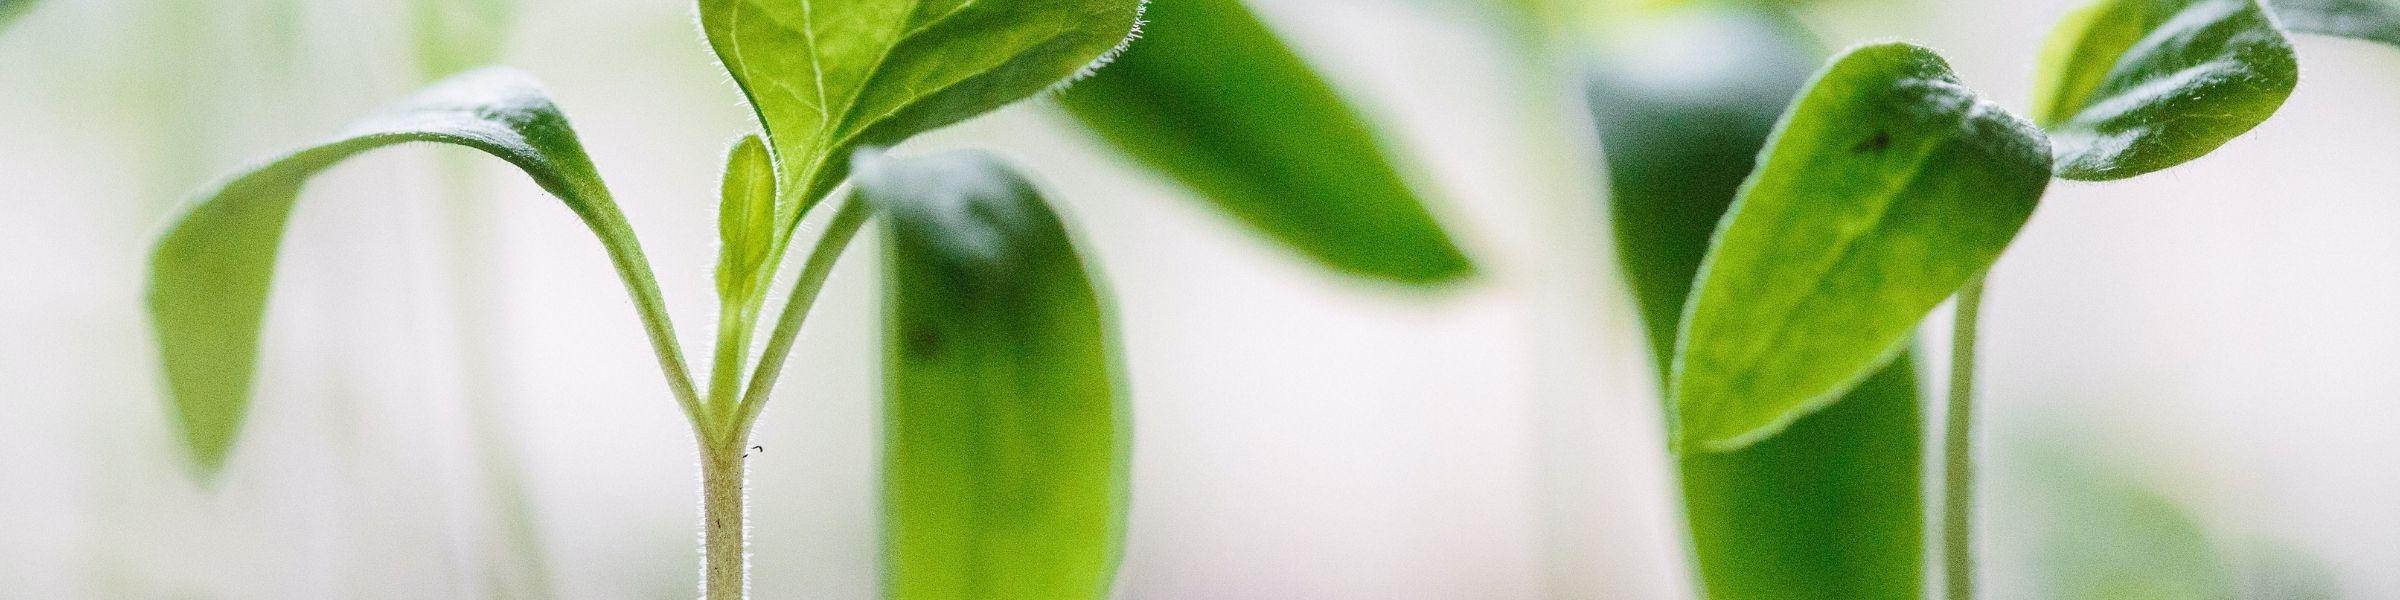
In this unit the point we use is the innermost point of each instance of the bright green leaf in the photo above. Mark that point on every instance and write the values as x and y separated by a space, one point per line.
2129 87
1884 189
746 223
1830 508
210 273
827 77
1212 98
2370 20
1006 432
457 35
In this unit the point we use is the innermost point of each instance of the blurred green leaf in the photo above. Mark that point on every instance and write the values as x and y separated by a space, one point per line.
1213 99
2129 87
1829 509
456 35
1886 187
745 222
11 9
210 273
1006 440
2370 20
828 77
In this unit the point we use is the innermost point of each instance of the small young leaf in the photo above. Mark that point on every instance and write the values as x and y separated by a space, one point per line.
1829 509
2370 20
2129 87
829 77
1886 187
1212 98
210 273
1006 431
746 223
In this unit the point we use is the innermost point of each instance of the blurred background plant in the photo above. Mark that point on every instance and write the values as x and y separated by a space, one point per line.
2215 332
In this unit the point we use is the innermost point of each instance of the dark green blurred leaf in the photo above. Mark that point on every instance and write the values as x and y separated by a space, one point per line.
1212 98
829 77
1829 509
211 271
456 35
11 9
2129 87
2370 20
1885 188
1005 447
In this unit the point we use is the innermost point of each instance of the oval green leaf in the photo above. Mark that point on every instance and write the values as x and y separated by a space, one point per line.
828 77
2129 87
1212 98
1886 187
2370 20
1006 425
1829 509
745 223
211 271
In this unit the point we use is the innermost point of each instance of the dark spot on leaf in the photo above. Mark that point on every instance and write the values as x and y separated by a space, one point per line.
921 343
1882 140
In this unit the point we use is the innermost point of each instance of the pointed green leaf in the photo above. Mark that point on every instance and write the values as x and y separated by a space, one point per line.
1829 509
1884 189
456 35
2129 87
2370 20
746 223
1006 426
210 273
827 77
1213 99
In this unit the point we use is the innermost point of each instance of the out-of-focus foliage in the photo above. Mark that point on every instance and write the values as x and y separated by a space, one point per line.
456 35
1830 508
11 9
2108 536
831 77
1886 187
1006 434
2370 20
1213 99
211 271
2129 87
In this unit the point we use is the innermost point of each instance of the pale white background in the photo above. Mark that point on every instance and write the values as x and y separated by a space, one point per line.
2223 330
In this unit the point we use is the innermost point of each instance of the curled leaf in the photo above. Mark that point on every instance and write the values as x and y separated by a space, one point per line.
2129 87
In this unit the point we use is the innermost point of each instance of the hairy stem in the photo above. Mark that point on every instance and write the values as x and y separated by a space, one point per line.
1958 470
725 568
838 232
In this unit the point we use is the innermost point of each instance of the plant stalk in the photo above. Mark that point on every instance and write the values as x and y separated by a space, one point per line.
725 570
1958 469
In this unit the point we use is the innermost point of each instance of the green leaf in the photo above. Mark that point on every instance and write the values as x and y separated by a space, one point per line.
1886 187
1212 98
746 223
2129 87
456 35
2370 20
1830 508
210 273
11 9
1006 432
828 77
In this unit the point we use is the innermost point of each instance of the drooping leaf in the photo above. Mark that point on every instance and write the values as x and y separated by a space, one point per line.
1886 187
2370 20
456 35
829 77
1829 509
211 271
1213 99
1006 425
2129 87
745 222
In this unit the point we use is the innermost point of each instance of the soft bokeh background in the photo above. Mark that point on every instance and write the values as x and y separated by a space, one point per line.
456 402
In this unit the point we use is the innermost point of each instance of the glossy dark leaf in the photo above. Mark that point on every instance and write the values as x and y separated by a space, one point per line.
1885 188
1829 509
1212 98
2129 87
210 273
1006 424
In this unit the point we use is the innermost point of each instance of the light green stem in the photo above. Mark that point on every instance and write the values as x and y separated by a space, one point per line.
725 554
838 232
1958 472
